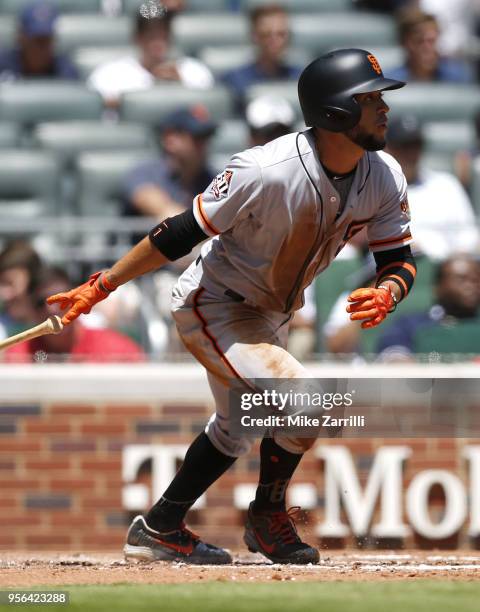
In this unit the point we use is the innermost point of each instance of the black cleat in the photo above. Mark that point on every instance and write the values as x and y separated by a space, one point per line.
146 544
274 535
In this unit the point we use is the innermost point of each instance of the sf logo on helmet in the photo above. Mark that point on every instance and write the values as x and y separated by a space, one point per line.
375 65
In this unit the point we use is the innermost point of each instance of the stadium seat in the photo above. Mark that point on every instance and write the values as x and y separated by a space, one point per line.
230 137
86 59
203 6
29 183
461 338
73 31
448 137
222 59
153 105
12 7
68 139
329 285
100 180
304 6
435 101
193 32
8 31
476 185
322 32
29 102
283 89
10 135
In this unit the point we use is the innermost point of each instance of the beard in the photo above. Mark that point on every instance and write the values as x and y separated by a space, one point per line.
366 140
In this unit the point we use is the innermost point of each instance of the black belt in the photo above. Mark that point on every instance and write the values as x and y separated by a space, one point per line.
236 297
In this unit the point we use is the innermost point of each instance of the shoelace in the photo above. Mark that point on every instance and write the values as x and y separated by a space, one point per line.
283 524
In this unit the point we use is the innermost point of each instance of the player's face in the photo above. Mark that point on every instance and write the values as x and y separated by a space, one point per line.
370 131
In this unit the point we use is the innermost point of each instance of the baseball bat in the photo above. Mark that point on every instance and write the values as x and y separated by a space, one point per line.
52 325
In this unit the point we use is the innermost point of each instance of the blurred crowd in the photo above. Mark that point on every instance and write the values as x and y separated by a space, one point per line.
123 110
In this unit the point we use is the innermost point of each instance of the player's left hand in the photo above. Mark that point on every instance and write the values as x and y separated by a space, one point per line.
370 305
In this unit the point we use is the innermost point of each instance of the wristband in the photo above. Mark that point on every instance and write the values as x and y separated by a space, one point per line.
104 285
394 299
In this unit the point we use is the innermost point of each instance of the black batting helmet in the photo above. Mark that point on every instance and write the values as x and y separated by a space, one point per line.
326 88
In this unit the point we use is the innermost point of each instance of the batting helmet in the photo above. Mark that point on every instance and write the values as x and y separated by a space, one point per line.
326 88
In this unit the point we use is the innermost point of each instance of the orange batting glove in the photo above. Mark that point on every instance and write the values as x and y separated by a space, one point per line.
82 299
371 305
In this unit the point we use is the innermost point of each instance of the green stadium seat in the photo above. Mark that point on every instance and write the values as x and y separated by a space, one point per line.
13 7
73 31
448 136
193 32
329 285
304 6
29 102
10 135
461 338
435 101
476 185
419 300
191 6
86 59
8 30
282 89
325 31
222 59
153 105
231 136
67 139
101 177
29 183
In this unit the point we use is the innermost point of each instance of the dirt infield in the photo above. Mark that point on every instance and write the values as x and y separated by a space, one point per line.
28 569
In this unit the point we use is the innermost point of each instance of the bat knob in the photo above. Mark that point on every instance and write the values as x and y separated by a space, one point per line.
55 324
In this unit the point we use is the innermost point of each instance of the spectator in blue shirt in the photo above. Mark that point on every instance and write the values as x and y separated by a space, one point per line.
418 34
457 299
271 36
165 186
34 55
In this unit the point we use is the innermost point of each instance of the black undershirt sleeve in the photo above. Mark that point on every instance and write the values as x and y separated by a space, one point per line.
176 236
397 265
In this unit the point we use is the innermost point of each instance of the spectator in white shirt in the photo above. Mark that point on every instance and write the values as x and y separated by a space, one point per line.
154 63
443 221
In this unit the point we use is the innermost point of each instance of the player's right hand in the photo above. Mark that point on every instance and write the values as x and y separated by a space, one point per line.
82 299
370 305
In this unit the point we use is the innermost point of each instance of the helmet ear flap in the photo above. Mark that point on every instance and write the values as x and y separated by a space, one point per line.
340 118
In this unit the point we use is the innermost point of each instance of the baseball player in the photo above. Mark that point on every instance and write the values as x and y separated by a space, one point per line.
274 219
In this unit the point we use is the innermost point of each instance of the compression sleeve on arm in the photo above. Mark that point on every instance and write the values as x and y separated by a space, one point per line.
176 236
397 265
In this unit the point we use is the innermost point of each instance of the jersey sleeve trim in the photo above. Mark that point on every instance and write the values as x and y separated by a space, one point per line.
390 243
202 217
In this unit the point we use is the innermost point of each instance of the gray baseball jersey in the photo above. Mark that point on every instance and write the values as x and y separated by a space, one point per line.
271 232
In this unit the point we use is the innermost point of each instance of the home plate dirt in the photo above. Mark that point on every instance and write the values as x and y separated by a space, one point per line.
29 569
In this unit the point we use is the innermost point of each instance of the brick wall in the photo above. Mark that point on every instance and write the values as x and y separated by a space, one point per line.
61 473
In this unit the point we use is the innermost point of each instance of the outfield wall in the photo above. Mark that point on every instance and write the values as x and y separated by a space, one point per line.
83 448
